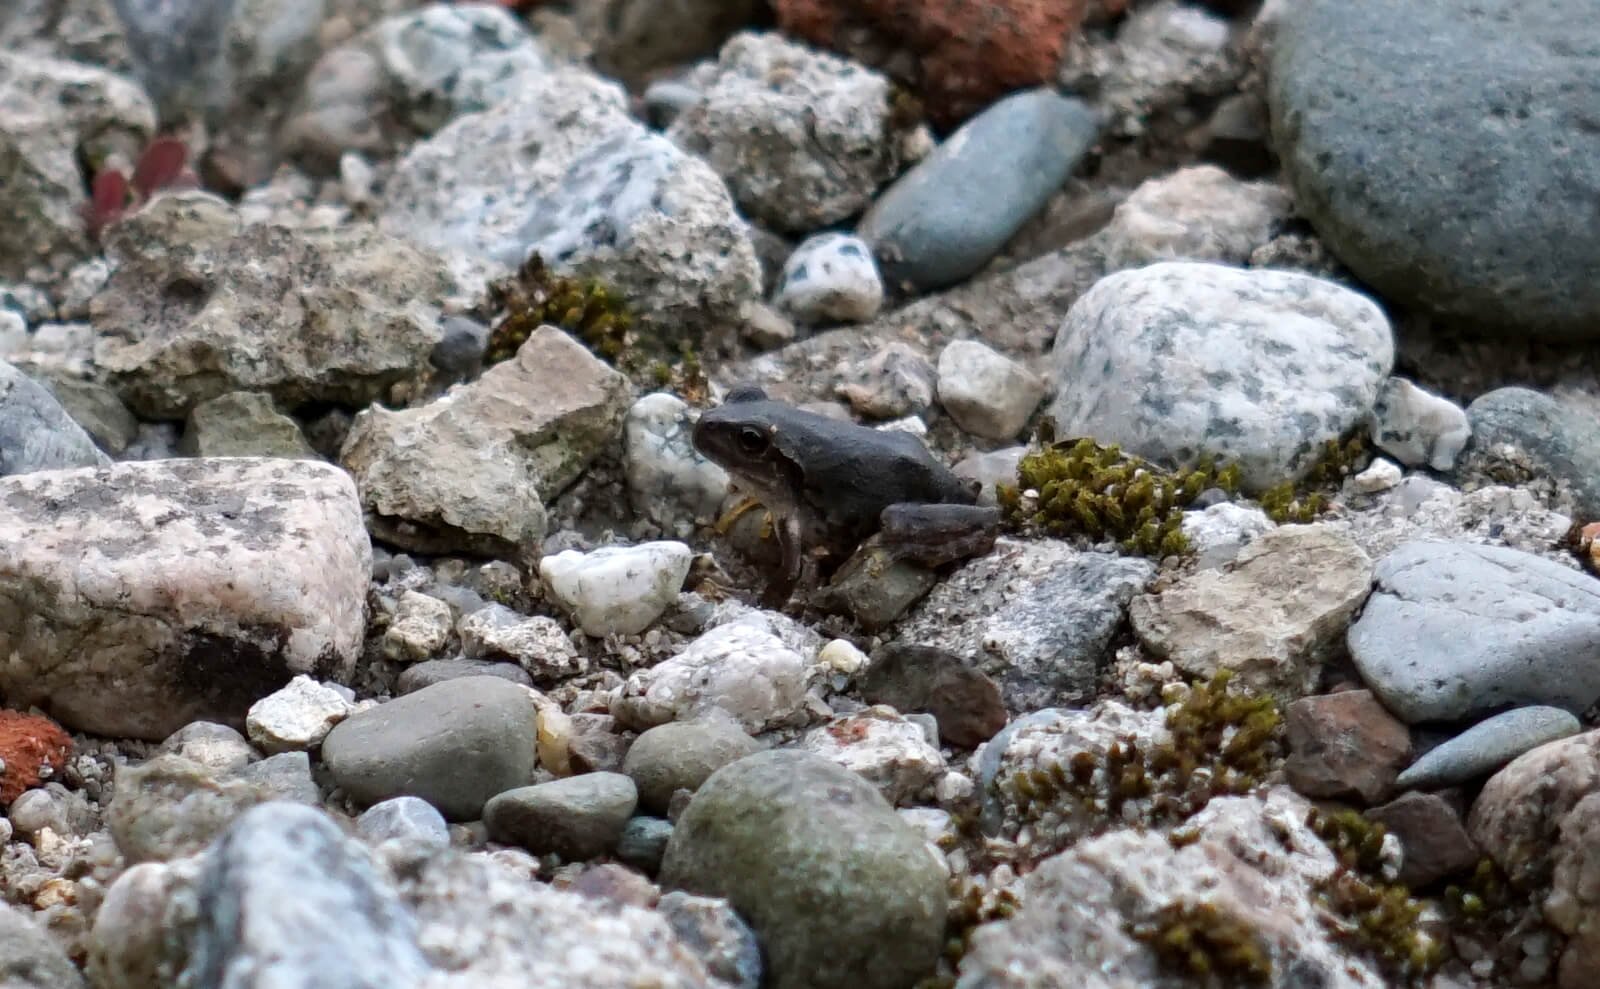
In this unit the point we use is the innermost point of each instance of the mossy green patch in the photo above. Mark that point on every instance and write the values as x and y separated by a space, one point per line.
1203 939
1370 915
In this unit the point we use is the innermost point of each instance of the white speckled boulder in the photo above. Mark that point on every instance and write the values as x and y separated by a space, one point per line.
139 597
1180 359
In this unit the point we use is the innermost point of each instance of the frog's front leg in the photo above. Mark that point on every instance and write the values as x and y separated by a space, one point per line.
788 530
933 535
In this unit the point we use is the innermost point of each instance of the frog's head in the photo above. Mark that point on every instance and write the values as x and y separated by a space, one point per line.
746 436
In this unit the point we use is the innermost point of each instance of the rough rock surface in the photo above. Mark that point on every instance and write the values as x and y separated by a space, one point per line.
472 469
1255 861
200 306
55 111
1258 615
1037 617
149 595
802 138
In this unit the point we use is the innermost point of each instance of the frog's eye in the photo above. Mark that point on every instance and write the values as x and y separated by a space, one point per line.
752 441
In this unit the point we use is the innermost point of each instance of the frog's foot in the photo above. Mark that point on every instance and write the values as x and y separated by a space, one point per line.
732 515
934 535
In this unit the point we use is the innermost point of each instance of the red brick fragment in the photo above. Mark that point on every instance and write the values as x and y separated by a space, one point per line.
968 53
28 743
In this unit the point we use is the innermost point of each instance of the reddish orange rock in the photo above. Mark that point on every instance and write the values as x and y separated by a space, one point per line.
968 53
28 743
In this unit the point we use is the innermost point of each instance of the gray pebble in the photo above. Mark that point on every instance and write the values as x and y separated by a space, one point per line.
429 672
35 431
1488 745
406 819
576 818
460 351
1453 629
841 891
1554 438
643 841
681 755
454 744
1497 113
944 219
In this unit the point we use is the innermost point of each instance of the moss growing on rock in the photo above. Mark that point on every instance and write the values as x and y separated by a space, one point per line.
1101 492
1081 487
1372 916
1202 940
1217 741
536 296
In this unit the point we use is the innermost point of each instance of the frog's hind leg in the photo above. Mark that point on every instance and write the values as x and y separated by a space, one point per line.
783 583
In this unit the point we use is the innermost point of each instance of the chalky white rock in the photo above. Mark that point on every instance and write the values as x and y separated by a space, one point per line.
617 590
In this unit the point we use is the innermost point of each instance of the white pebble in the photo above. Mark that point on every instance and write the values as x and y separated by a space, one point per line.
296 716
986 393
830 278
1417 427
1380 476
617 590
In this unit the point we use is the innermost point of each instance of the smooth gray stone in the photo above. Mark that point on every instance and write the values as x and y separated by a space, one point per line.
432 671
1488 745
949 215
404 818
643 841
680 755
1450 157
288 900
454 744
840 891
1454 629
1559 440
577 818
35 431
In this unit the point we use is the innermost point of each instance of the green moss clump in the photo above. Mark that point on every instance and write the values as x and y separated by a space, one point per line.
970 905
1303 502
536 296
1099 491
1234 737
1372 916
1219 741
1201 940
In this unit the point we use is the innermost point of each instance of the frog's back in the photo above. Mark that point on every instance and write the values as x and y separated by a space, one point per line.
871 469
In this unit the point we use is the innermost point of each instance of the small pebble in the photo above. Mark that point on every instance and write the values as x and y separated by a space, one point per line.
617 590
1381 475
1488 745
643 841
537 642
830 277
987 394
577 818
296 716
404 818
1417 427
